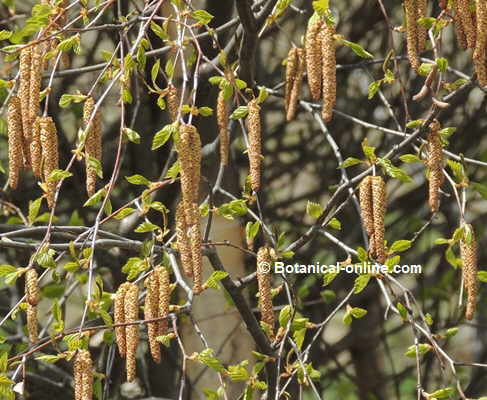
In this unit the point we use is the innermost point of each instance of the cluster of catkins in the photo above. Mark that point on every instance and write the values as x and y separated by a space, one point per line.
32 138
416 33
372 196
265 289
188 230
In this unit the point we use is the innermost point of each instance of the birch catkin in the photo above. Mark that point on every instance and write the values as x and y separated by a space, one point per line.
32 287
328 48
462 7
421 11
50 155
314 57
164 298
131 308
150 312
32 327
83 376
196 242
264 283
296 86
15 146
367 210
183 243
24 95
93 142
291 72
222 121
468 253
435 166
379 212
459 31
173 103
35 148
119 318
479 54
410 8
255 144
35 85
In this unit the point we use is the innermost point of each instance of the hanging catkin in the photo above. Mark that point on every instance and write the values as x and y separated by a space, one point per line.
15 147
32 287
150 312
32 327
291 72
421 11
119 318
131 308
164 298
264 283
183 243
328 49
50 155
462 7
173 103
255 144
379 212
314 57
435 165
367 210
468 253
83 376
196 254
24 95
35 85
93 142
479 54
35 148
410 8
296 85
222 121
459 31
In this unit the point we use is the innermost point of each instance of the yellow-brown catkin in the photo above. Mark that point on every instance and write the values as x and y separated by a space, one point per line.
435 166
24 95
222 122
328 49
196 254
151 312
32 327
119 318
36 68
264 283
379 212
410 8
83 376
479 54
367 209
93 142
314 57
184 245
255 144
32 293
50 156
460 32
468 253
291 71
173 103
131 307
164 298
296 86
421 11
15 139
462 7
35 148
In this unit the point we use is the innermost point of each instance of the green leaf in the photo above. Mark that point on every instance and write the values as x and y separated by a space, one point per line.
235 208
161 137
442 64
40 18
361 283
207 358
423 348
441 393
66 99
394 172
58 174
5 34
215 277
138 180
146 227
124 213
53 291
369 151
314 209
321 7
328 277
409 158
349 162
205 111
457 169
451 332
203 17
403 312
131 135
173 172
158 31
34 207
482 276
240 112
48 358
263 94
6 269
251 230
334 224
358 312
414 124
400 245
358 49
285 315
374 88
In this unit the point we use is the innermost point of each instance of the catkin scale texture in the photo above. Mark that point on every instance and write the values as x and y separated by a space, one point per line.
367 209
462 7
24 95
162 275
410 8
468 254
264 283
222 122
32 292
49 144
93 142
314 57
183 243
15 141
421 10
291 71
119 318
83 376
131 308
379 212
36 149
35 85
173 103
32 327
435 165
150 312
255 144
328 48
296 86
480 55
